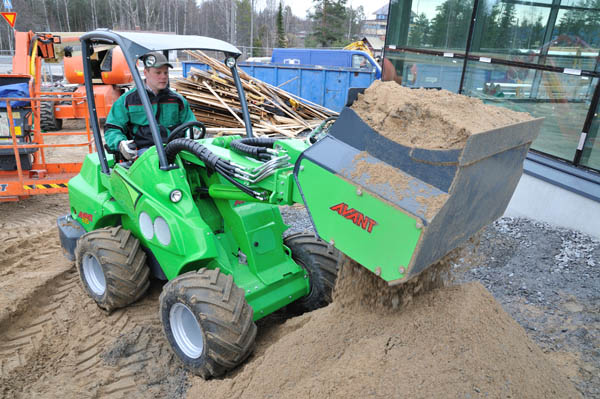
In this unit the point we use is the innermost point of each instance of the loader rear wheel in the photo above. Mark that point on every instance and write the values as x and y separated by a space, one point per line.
112 267
207 321
48 120
321 262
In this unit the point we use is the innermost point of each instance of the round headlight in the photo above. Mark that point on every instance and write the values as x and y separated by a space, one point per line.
163 234
176 196
230 62
146 226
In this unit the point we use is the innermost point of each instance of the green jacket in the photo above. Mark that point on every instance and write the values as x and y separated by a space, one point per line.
127 118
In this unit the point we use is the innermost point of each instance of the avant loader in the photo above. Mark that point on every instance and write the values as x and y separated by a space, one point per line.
203 213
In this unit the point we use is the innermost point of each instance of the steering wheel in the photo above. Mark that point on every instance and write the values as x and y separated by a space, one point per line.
179 131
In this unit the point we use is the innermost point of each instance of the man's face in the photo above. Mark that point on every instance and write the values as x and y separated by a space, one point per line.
157 78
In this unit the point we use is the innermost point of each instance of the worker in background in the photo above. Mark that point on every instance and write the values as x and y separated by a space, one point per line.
126 129
389 72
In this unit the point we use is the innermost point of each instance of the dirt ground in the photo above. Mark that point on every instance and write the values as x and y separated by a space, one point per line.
446 342
55 342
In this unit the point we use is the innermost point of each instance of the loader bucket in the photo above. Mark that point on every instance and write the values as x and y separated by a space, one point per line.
397 210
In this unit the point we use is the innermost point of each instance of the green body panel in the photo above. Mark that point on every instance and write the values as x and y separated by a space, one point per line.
227 229
369 230
90 201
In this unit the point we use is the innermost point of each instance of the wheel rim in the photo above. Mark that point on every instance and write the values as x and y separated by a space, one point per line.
186 330
93 274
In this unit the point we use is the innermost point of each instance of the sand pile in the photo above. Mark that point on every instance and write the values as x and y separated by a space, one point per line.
425 118
447 343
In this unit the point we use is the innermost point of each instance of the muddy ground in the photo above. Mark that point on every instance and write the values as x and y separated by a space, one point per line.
55 342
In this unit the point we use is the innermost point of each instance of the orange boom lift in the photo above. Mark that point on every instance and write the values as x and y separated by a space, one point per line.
27 115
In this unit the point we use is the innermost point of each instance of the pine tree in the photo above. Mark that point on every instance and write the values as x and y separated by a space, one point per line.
329 23
243 23
450 26
490 28
281 39
419 33
506 26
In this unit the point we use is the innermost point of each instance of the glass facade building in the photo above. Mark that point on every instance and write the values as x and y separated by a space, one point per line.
541 57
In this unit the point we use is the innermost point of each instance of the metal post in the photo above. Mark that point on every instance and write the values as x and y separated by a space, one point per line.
89 90
587 125
240 90
252 28
468 45
537 78
141 87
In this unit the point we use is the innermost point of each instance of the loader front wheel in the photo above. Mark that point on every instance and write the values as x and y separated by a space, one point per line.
321 262
112 267
207 322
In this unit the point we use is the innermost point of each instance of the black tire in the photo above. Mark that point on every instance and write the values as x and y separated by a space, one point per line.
224 331
115 255
48 121
321 262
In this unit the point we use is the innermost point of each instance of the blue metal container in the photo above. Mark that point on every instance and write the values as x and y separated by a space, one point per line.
324 86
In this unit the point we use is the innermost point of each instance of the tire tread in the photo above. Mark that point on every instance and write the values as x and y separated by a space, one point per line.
226 319
123 262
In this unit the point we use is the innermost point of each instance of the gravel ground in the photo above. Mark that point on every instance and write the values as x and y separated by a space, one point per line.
546 278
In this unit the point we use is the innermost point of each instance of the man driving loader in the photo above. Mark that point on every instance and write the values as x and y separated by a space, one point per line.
126 128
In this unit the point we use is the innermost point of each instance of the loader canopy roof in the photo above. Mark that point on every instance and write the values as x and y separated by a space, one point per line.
137 44
134 45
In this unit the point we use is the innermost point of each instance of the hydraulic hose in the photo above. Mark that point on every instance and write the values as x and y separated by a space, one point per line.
33 56
183 144
313 136
254 146
213 162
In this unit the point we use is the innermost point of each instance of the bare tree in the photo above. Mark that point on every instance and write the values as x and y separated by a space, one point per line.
232 21
236 21
66 3
149 8
45 15
58 13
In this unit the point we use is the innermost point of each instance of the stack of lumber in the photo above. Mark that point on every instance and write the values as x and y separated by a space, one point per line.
214 100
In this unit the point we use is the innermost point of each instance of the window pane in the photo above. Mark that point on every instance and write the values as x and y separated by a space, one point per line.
563 100
419 70
516 32
576 37
591 152
506 30
581 26
437 24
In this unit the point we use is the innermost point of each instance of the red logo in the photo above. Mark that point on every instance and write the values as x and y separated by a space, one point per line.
358 218
238 202
85 217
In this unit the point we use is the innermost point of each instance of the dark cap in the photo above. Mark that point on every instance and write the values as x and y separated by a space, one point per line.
156 59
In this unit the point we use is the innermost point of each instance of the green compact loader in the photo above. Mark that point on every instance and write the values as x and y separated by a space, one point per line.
203 213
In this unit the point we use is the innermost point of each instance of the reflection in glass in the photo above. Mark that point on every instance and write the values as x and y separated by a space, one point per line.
419 70
506 30
563 100
539 33
436 24
590 156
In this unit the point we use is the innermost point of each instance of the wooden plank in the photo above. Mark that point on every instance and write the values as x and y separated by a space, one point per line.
222 102
214 100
